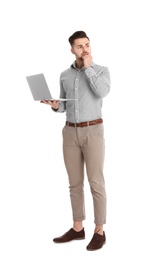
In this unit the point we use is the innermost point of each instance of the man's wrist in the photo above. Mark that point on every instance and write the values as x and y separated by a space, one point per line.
54 109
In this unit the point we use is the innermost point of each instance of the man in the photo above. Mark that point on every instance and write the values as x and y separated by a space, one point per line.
83 137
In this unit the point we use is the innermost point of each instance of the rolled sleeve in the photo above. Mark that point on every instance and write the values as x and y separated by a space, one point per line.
99 80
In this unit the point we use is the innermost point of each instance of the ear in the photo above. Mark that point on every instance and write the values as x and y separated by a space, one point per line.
72 51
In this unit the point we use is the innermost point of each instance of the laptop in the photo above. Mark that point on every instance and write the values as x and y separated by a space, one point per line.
39 88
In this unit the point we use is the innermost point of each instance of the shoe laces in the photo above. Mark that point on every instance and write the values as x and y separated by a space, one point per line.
96 237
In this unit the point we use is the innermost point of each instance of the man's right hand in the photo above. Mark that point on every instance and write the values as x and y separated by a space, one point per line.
54 104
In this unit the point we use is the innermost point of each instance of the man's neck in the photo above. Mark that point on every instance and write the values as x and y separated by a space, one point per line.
79 64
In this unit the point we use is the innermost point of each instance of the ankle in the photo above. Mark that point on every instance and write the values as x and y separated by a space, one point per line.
99 230
77 226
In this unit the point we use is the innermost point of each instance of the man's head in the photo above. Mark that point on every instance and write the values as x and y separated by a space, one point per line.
77 35
80 44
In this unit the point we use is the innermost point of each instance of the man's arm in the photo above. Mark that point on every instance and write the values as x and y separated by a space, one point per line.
57 105
99 81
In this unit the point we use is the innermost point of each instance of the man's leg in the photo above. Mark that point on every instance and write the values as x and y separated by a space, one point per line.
74 162
93 151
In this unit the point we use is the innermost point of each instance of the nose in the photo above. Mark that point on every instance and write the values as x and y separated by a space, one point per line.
84 49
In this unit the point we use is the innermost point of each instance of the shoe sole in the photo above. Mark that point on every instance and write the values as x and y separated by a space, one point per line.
80 238
96 248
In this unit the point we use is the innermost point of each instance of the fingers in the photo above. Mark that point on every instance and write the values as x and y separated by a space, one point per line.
52 103
44 101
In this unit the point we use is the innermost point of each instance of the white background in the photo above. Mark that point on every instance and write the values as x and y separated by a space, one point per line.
34 199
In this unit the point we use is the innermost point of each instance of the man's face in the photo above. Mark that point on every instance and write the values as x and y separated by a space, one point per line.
81 47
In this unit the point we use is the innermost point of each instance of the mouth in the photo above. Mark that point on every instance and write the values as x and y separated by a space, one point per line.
85 53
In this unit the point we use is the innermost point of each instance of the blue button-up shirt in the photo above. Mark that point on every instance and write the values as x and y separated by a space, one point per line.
88 87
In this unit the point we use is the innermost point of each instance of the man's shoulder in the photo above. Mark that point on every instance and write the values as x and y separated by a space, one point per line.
97 66
64 72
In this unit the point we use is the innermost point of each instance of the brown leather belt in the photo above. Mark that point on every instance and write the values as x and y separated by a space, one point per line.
88 123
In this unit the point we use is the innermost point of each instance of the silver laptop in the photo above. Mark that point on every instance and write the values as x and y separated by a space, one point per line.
39 88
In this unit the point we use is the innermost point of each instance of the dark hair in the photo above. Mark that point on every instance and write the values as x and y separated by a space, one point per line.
77 35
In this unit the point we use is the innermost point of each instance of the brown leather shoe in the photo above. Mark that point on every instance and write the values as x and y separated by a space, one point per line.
97 241
70 235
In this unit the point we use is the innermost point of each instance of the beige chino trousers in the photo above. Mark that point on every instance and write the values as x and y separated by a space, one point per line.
84 146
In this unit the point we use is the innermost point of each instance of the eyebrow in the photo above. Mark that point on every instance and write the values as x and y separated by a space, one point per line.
82 45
